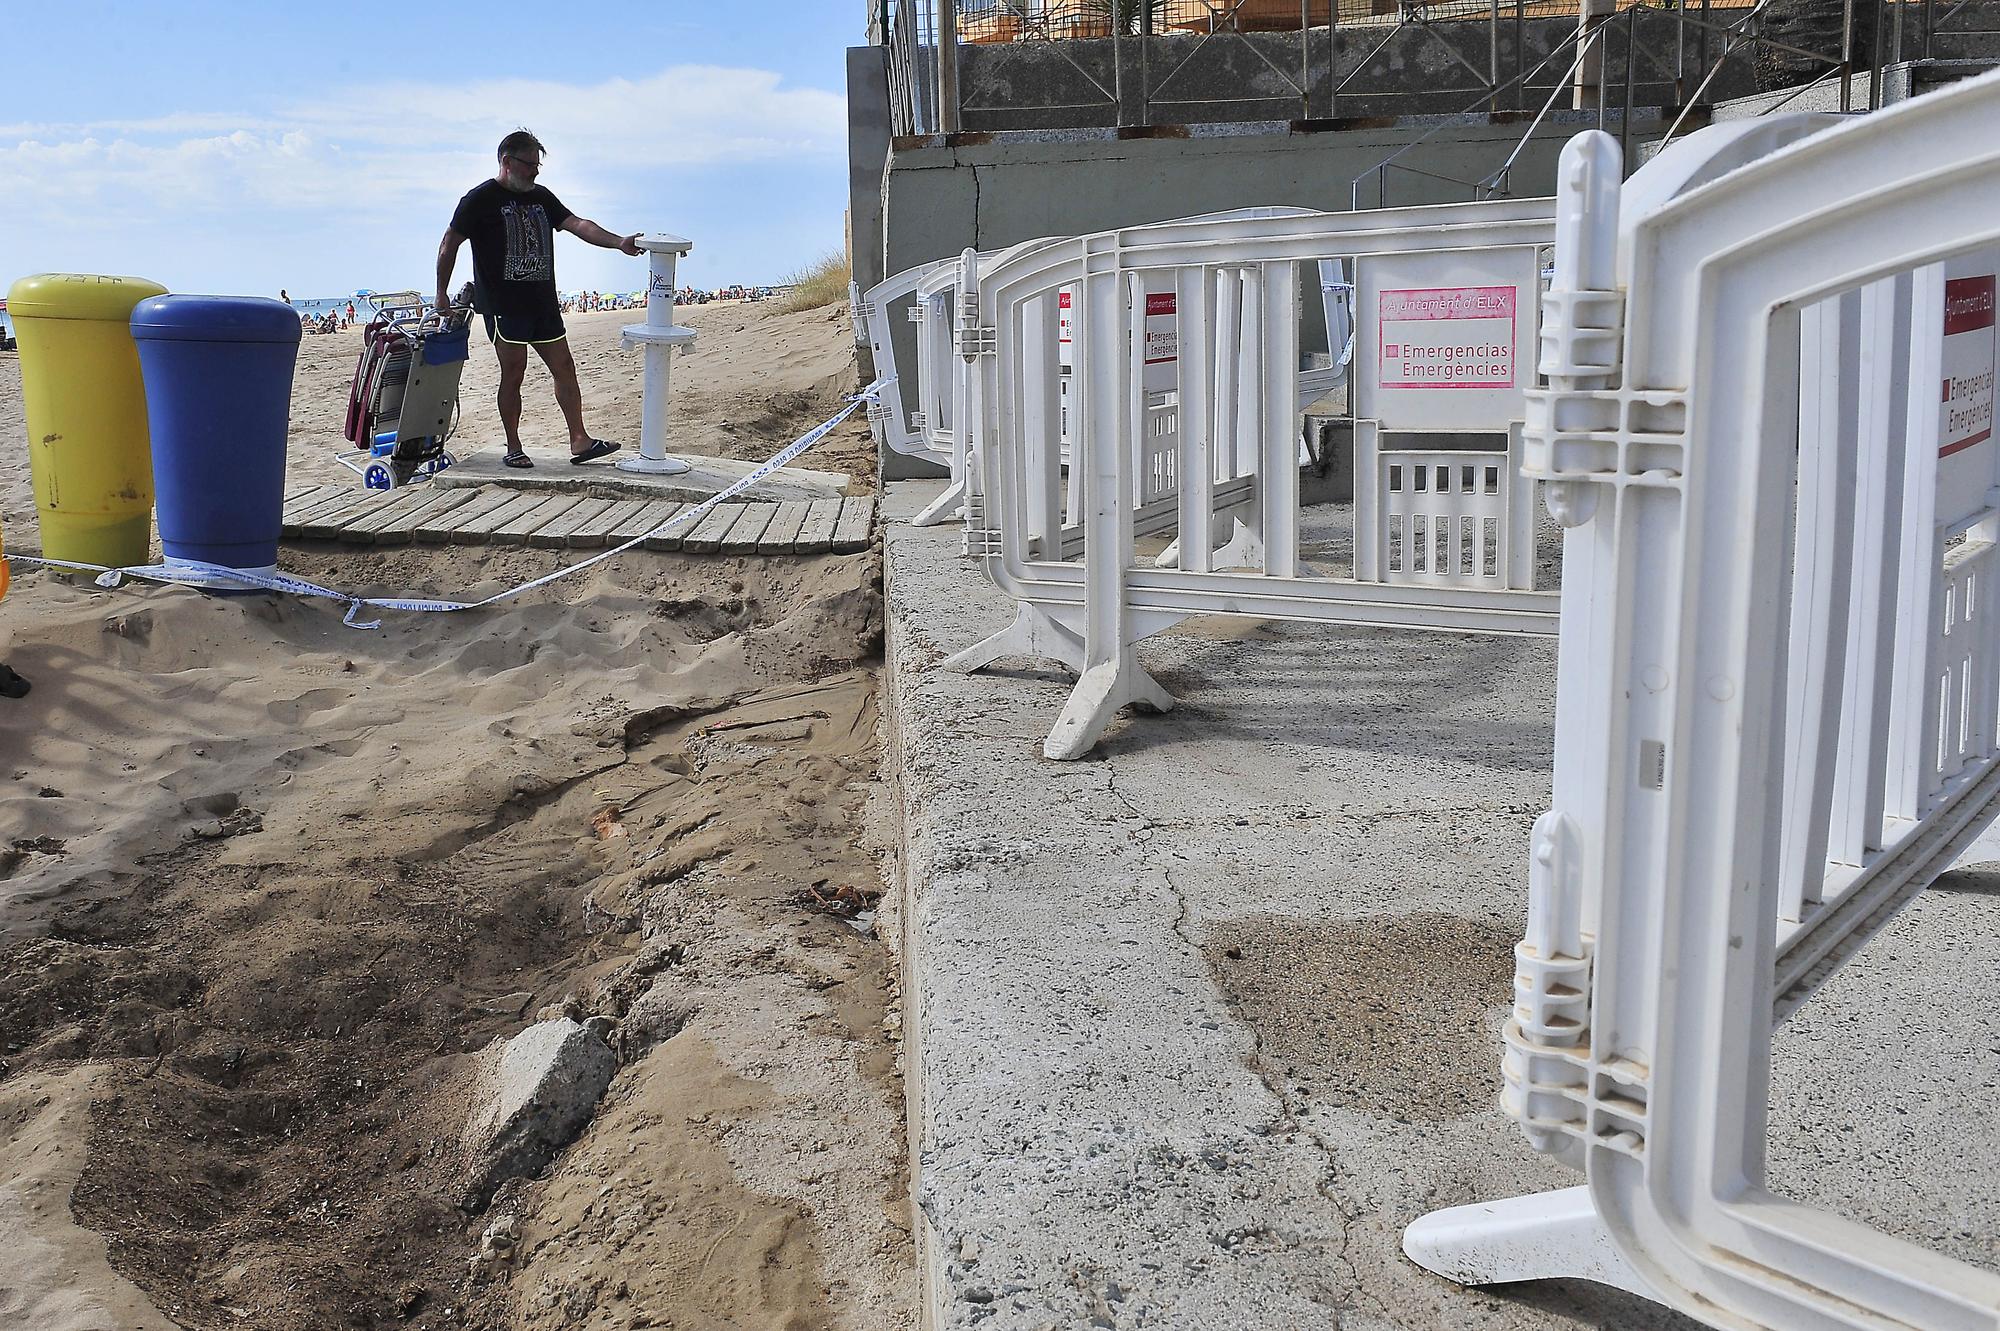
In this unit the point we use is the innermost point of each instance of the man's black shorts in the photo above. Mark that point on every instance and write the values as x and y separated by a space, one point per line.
525 329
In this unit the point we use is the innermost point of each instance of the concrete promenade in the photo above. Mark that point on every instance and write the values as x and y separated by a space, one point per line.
1195 1026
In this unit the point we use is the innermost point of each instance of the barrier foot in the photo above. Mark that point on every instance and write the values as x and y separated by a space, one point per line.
1099 695
1231 545
1543 1236
1244 549
1032 633
944 506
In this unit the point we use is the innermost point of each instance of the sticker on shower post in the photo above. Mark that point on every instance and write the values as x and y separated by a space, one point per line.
1966 417
1446 337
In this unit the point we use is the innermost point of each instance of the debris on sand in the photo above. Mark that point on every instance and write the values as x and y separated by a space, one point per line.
536 1091
496 1248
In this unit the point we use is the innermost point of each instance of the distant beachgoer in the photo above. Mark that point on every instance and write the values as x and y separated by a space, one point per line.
282 296
511 222
350 311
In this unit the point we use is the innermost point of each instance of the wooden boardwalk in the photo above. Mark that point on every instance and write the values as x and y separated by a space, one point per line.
496 516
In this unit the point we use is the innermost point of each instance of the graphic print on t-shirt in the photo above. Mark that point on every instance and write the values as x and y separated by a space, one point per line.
530 243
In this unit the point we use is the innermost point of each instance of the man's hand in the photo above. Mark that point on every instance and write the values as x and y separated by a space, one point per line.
443 302
630 244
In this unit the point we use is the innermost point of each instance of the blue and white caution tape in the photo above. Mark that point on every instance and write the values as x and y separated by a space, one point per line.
193 573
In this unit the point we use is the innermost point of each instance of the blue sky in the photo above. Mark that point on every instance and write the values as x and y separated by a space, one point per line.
224 146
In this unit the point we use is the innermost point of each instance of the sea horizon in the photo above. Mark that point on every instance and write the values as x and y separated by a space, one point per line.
364 307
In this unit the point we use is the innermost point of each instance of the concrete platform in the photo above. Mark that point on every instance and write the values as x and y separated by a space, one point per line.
1195 1027
709 477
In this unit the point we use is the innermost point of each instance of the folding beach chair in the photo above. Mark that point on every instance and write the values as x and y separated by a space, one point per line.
403 406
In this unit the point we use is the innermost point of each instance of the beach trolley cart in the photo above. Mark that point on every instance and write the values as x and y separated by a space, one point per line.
403 406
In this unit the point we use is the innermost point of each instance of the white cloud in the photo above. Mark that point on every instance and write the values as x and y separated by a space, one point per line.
382 146
325 194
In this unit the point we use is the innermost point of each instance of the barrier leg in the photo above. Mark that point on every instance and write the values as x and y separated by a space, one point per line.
1111 326
1243 549
1099 695
1543 1236
944 506
1032 633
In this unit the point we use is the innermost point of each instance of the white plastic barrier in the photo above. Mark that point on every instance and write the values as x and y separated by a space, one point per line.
895 425
922 431
919 417
1776 704
1448 296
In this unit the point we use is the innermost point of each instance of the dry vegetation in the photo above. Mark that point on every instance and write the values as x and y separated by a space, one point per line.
820 283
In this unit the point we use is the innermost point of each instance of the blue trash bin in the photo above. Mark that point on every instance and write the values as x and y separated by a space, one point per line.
218 373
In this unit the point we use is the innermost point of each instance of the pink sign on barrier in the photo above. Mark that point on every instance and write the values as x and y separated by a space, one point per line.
1968 362
1446 337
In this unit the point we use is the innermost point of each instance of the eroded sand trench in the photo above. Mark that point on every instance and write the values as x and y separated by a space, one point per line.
270 883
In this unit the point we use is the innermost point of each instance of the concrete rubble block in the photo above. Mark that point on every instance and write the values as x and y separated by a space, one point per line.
533 1094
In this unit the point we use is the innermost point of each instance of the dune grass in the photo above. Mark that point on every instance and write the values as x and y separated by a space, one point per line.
820 283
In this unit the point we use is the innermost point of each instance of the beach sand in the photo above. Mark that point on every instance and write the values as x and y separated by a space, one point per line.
268 884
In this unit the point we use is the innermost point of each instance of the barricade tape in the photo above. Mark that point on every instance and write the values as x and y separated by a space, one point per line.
194 573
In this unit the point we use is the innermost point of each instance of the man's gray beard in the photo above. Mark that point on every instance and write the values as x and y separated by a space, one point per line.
507 182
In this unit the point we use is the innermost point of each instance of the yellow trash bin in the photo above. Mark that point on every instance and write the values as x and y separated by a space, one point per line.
88 446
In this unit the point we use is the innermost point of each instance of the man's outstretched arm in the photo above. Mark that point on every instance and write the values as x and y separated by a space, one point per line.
585 229
447 260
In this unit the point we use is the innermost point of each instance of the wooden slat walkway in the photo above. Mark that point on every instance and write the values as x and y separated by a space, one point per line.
497 516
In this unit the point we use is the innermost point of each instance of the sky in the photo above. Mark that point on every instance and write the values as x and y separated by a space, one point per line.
219 146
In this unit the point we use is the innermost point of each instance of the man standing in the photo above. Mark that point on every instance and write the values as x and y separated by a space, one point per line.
511 222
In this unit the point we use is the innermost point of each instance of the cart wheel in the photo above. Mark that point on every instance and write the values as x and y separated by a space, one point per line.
444 460
376 477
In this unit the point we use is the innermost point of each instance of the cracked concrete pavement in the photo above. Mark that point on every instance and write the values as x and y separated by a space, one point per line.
1196 1026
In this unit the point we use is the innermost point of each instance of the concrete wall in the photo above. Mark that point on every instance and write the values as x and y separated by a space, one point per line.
1900 82
867 157
990 191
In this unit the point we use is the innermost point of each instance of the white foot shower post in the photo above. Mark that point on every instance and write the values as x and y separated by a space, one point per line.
659 336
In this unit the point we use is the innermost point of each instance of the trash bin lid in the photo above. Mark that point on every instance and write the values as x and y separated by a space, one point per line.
215 319
78 296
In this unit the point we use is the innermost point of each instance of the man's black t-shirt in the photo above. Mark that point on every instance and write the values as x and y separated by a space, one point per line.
513 247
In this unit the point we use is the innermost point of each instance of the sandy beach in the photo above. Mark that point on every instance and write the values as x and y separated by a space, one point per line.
269 885
756 377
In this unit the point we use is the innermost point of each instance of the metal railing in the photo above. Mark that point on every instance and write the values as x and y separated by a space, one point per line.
1144 62
908 28
1588 44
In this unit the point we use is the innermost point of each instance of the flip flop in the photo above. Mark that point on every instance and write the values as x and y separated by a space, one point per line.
599 448
517 459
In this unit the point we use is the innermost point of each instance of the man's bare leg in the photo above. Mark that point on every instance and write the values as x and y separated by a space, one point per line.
513 369
569 395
